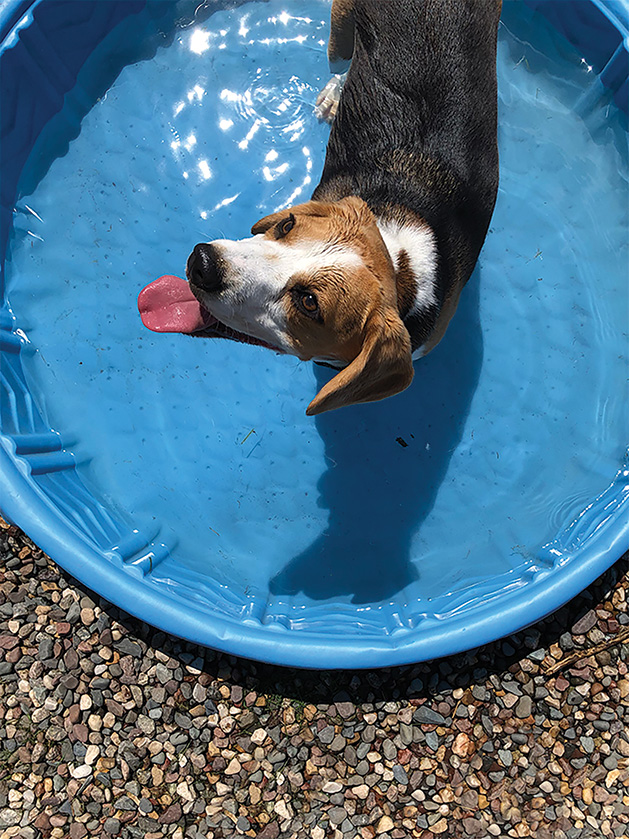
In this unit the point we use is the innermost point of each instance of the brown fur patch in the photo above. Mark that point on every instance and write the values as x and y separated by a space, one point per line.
405 282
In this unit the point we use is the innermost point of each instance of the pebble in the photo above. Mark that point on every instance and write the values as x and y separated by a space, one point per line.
399 773
326 735
505 756
426 716
585 623
332 786
389 750
384 825
524 707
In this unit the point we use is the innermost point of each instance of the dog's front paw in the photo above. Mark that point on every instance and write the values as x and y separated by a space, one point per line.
328 100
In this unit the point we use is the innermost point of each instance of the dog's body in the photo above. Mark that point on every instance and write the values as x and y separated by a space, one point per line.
415 137
367 275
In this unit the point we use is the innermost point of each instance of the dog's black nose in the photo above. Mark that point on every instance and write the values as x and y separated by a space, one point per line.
204 268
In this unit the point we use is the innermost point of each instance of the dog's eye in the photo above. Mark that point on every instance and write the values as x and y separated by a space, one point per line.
285 226
308 302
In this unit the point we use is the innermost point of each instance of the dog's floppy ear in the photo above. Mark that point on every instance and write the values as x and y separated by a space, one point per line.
383 367
309 208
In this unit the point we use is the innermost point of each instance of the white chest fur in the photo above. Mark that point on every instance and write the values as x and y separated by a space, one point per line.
418 242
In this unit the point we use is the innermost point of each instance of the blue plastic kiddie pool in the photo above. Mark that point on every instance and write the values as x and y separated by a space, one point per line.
179 477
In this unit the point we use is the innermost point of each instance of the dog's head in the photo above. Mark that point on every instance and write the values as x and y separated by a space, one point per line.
315 281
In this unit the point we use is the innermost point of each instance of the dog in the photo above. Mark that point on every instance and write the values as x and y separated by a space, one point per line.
366 276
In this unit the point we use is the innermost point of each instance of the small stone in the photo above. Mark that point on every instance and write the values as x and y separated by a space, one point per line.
259 736
128 647
183 791
585 623
384 825
282 810
233 768
171 815
612 777
389 750
326 735
269 831
91 754
87 616
406 734
524 707
146 725
345 709
331 786
94 722
337 815
46 646
73 613
432 740
9 817
426 716
338 743
469 800
125 803
112 826
399 773
505 756
463 747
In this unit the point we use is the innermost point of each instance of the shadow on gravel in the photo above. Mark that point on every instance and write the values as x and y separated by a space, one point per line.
415 681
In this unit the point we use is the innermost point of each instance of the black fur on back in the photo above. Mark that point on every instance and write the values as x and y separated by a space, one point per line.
415 131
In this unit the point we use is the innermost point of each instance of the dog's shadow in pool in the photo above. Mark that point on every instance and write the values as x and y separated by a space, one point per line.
386 461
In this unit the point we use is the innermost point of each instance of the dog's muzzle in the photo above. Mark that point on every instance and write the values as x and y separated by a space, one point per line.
204 268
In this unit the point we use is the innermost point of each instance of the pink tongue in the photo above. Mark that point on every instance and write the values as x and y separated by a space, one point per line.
168 305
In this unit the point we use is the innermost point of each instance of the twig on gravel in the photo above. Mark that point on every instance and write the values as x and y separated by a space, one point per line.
597 648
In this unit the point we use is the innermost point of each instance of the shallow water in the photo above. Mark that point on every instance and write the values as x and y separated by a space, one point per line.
513 426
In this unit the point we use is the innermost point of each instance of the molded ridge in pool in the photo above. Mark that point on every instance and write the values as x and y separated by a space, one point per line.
607 507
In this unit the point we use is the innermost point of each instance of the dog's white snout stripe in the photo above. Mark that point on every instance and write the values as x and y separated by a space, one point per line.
256 273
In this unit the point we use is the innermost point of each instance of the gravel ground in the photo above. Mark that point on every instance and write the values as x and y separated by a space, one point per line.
110 728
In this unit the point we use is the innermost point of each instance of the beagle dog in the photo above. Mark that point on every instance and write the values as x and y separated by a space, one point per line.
367 275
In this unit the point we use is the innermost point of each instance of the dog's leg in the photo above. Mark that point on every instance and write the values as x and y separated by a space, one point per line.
340 50
341 44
